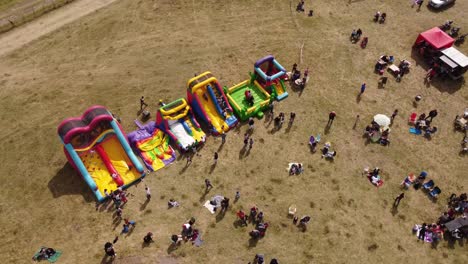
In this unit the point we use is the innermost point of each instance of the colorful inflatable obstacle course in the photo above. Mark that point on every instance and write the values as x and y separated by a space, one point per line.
248 98
176 119
270 75
96 147
210 103
152 145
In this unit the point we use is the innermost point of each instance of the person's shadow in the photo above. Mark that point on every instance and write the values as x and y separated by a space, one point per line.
394 210
212 168
359 98
327 128
143 205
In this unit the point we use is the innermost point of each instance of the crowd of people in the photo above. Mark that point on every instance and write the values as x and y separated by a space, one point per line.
376 133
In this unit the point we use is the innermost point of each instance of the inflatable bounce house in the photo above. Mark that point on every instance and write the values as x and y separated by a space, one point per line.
176 119
248 99
270 75
96 147
210 103
152 145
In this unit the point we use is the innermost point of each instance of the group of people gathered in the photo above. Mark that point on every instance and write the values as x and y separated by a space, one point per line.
377 133
424 123
457 210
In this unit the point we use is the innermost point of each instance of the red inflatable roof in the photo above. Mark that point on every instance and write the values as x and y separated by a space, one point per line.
437 38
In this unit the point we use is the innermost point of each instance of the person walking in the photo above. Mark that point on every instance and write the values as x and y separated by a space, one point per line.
395 113
208 184
398 199
142 103
331 117
363 88
148 193
216 156
251 141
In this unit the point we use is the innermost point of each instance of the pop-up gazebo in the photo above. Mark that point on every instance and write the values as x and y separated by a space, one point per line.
436 38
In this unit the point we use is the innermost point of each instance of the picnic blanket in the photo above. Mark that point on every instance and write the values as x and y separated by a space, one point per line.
209 206
52 258
377 183
415 131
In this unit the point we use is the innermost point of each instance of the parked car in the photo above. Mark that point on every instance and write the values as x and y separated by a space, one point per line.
440 3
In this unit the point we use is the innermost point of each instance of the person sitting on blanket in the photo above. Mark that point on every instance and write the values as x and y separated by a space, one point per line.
330 155
375 179
45 253
293 169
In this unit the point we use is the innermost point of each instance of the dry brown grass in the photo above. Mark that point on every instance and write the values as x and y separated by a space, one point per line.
152 48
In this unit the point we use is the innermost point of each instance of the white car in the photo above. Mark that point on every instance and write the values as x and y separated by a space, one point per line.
440 3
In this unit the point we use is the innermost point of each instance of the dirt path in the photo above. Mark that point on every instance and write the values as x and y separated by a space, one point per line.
47 23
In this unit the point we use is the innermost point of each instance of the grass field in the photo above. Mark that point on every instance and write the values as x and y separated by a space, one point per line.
133 48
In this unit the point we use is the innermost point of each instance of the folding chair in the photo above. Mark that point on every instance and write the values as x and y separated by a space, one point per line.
412 118
435 192
292 210
428 185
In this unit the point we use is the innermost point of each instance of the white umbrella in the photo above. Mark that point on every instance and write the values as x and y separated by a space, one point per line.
382 120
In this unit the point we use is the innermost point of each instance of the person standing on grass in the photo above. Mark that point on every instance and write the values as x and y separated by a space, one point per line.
216 156
109 249
281 116
208 184
272 109
148 193
223 135
363 88
189 159
106 193
331 117
246 139
142 103
237 196
148 238
398 199
251 124
422 232
395 113
292 116
251 141
294 69
119 212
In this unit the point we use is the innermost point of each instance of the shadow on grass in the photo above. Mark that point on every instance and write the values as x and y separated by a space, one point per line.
143 205
253 242
107 260
67 182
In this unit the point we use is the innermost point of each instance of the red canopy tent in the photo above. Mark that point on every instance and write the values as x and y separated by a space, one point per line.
436 38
